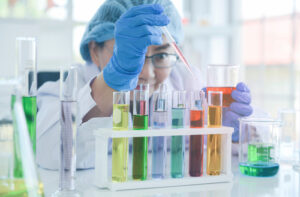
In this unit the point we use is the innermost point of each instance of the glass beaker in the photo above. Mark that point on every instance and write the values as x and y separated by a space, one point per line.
259 146
289 139
223 78
120 145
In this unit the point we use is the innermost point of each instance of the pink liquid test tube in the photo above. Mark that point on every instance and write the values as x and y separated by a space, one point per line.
174 45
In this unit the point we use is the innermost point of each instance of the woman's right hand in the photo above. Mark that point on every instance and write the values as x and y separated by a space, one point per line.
134 32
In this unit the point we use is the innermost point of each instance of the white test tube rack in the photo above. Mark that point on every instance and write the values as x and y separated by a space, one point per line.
102 179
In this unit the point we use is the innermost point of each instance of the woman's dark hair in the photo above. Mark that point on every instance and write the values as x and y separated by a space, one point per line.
100 44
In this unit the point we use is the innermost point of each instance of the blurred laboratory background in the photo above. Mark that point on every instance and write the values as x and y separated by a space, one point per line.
262 36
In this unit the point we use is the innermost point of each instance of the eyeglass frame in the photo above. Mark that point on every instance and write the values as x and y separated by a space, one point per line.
160 67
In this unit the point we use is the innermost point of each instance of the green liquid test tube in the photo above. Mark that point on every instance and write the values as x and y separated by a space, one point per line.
177 142
27 75
140 122
120 145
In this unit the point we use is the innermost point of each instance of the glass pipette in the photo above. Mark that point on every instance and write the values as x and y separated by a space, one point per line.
174 45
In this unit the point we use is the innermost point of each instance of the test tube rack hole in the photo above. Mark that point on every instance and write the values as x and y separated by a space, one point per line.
102 179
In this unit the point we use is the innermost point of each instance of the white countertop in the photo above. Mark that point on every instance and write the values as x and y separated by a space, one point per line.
285 183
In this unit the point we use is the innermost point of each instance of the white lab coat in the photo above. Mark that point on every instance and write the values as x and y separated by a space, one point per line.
48 126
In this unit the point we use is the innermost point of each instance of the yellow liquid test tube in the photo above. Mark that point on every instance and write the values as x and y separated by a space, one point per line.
120 145
213 166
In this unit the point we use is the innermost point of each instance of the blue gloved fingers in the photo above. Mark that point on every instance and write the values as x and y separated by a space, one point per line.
242 87
231 119
140 31
142 43
147 19
241 108
241 97
153 40
143 9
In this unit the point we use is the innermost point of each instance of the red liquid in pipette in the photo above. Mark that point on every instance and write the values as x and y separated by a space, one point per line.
179 53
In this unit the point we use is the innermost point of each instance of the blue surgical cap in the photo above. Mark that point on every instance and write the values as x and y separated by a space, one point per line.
101 27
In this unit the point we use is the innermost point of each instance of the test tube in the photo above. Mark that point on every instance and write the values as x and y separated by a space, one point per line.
172 42
196 141
140 122
120 145
214 120
68 131
177 142
27 74
159 121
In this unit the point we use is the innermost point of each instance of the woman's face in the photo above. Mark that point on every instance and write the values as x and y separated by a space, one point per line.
149 74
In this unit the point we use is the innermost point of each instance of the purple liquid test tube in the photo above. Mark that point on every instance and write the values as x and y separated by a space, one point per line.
159 121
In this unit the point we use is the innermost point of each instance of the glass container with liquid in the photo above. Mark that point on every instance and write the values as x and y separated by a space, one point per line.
196 141
68 132
159 121
120 145
214 120
27 74
259 146
178 142
223 78
140 122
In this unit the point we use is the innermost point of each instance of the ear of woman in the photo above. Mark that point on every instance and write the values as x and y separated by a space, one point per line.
95 53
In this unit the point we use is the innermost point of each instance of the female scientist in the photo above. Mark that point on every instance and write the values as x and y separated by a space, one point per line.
122 47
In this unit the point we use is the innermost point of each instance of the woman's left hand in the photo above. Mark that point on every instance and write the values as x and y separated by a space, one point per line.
239 108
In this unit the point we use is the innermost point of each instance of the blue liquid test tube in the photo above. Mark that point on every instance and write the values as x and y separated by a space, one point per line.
160 121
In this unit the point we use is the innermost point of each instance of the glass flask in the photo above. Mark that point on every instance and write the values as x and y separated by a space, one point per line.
259 146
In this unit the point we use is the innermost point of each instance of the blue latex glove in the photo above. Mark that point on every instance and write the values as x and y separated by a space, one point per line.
240 108
134 32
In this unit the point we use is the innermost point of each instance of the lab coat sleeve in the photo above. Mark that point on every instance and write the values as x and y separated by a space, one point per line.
48 127
85 100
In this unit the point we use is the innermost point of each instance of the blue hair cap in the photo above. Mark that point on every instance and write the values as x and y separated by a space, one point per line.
101 27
